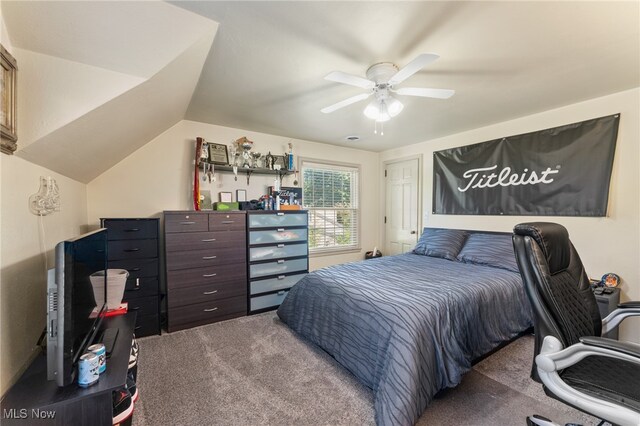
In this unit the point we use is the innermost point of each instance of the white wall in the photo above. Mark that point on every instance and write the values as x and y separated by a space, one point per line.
22 265
159 177
608 244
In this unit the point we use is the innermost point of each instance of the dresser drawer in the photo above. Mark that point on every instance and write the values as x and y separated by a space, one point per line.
132 249
267 301
273 284
131 229
203 258
147 325
144 305
210 275
207 312
205 240
192 222
277 220
280 235
137 268
279 251
207 293
279 267
141 287
227 222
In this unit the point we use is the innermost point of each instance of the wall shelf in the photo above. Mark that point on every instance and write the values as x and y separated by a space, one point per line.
249 171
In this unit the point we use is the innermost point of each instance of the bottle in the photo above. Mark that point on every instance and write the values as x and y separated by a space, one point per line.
290 157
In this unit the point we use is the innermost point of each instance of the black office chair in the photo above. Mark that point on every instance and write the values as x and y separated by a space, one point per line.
576 366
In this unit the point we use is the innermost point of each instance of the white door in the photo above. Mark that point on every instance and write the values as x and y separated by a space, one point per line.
401 210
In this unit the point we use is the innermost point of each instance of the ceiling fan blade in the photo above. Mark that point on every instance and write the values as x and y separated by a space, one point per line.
342 104
412 67
351 80
427 93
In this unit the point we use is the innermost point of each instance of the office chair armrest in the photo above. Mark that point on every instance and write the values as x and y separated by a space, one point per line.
625 310
553 358
628 348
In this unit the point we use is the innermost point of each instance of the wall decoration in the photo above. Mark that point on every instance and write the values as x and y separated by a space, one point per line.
226 197
218 154
279 162
8 101
562 171
241 195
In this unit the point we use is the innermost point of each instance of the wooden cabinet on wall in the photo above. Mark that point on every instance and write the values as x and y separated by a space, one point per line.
206 267
278 255
133 245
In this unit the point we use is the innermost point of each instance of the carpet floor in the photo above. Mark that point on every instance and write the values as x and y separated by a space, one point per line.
256 371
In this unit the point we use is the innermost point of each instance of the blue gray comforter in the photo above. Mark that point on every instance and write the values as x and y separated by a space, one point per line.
407 326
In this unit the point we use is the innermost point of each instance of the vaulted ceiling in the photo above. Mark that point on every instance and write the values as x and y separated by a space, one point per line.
139 67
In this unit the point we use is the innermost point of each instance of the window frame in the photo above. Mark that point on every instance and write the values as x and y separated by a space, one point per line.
331 251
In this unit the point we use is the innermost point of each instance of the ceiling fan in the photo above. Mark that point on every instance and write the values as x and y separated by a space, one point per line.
381 82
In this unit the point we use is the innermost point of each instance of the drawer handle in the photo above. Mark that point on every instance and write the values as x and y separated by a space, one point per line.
280 214
209 275
137 328
134 269
210 309
132 230
281 261
208 240
281 292
281 277
136 288
210 292
280 245
137 283
280 229
131 250
209 257
135 309
187 223
228 221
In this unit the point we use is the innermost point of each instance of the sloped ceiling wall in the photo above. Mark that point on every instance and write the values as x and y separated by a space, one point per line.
97 82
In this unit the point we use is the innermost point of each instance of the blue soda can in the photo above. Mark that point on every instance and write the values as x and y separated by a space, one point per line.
88 366
101 352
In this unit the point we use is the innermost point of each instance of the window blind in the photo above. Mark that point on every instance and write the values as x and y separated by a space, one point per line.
330 194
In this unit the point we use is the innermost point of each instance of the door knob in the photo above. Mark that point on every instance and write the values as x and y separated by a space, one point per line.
413 232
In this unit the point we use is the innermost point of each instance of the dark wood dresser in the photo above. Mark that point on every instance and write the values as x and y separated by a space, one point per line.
133 245
206 267
278 255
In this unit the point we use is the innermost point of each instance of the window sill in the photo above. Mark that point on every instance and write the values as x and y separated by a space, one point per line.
334 252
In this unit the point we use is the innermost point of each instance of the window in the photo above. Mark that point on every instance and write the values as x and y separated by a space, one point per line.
330 194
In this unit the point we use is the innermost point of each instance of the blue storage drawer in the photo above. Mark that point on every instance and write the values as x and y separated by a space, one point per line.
274 284
279 267
267 301
279 251
277 220
280 235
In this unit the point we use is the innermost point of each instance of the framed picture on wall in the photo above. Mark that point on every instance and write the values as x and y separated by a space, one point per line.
8 99
241 195
278 162
218 154
226 197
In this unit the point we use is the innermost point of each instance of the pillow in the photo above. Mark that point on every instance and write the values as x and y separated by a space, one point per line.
445 243
491 250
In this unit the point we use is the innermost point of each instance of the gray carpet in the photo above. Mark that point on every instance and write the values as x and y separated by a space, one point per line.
255 371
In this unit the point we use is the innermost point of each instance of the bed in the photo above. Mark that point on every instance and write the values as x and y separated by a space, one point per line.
410 325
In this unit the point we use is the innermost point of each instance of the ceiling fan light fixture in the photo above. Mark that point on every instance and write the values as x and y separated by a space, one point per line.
372 110
394 106
382 110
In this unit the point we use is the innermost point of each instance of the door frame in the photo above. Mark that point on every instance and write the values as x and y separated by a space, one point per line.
385 163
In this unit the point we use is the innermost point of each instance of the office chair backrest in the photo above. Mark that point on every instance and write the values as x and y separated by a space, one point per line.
556 284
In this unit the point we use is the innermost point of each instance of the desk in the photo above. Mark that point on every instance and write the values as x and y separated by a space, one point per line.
34 395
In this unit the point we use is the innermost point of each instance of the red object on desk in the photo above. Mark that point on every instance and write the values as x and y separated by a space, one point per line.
122 309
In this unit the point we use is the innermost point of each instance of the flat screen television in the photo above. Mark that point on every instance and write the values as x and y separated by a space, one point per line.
75 302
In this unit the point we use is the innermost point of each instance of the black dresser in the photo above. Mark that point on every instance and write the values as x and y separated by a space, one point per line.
133 245
278 255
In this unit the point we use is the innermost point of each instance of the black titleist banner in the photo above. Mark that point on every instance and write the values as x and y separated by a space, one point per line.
564 171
